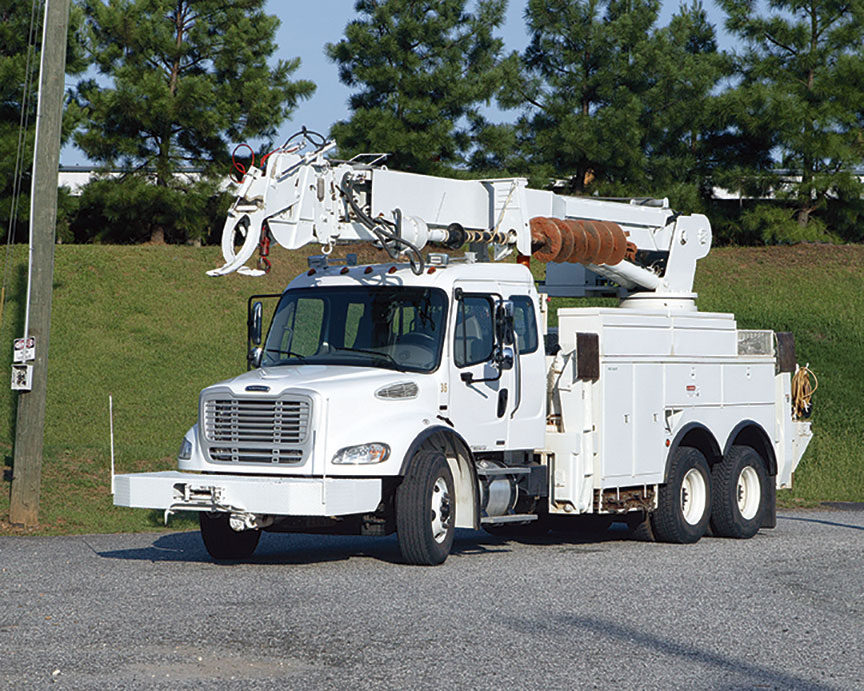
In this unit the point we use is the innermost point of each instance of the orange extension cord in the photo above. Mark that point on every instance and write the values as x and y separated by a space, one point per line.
802 391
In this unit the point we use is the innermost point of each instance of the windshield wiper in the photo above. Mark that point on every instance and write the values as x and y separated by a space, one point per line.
289 353
378 353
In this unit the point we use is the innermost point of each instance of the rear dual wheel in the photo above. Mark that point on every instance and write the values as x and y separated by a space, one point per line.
684 502
740 483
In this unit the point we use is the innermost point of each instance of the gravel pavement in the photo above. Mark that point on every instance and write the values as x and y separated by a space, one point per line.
784 610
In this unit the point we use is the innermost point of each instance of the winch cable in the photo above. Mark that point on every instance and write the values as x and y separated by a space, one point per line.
383 229
23 125
802 391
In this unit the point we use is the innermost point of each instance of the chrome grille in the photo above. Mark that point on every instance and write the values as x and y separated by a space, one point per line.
236 454
254 430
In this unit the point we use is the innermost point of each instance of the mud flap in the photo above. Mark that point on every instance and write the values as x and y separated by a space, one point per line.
769 520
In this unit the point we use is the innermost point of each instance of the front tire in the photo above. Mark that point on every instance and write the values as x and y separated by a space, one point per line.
740 494
425 508
222 541
684 502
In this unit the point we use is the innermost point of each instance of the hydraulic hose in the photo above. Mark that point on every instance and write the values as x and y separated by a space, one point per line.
382 229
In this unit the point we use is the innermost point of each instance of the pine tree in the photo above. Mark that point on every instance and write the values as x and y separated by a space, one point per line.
683 117
420 69
19 21
802 83
185 78
587 68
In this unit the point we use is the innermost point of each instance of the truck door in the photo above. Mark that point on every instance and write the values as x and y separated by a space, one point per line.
481 393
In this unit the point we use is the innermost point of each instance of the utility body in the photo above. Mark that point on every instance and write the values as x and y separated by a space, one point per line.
426 395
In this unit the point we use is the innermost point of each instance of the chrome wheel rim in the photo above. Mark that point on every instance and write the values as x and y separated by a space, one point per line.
694 496
441 511
748 492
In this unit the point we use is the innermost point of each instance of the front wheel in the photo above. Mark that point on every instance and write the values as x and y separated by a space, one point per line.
684 502
425 507
740 494
222 541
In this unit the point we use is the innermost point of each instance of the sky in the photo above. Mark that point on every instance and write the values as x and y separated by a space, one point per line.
306 27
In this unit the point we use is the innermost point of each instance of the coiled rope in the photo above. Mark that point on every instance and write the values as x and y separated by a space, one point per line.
802 391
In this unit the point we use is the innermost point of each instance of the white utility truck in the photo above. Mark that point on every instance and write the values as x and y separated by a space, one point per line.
426 394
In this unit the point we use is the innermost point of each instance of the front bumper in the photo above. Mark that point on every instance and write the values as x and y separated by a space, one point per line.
275 496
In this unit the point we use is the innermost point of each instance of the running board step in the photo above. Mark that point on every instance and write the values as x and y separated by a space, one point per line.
512 518
498 471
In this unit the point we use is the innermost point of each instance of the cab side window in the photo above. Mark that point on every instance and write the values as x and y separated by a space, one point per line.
525 323
474 336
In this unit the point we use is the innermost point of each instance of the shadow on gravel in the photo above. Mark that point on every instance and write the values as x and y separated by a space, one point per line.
560 537
281 548
273 549
751 675
819 520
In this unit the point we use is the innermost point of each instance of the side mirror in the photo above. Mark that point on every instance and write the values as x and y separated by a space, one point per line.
506 358
254 323
504 328
254 357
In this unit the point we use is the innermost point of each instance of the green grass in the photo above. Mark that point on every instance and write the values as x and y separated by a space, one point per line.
816 292
146 325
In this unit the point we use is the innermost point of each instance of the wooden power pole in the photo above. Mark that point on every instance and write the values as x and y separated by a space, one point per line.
29 431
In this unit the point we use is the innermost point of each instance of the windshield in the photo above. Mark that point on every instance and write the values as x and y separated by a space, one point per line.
390 327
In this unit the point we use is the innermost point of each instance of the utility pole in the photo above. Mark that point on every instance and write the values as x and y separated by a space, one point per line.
29 431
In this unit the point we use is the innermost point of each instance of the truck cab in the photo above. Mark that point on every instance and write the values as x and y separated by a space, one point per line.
363 370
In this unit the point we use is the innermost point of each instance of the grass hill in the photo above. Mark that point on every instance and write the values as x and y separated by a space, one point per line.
145 325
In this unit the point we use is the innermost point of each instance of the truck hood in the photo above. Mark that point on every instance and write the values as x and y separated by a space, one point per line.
319 378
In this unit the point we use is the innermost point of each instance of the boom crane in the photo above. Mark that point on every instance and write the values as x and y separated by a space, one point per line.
303 198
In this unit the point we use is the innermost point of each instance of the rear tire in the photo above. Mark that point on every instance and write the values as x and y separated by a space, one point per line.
223 542
684 502
425 508
740 486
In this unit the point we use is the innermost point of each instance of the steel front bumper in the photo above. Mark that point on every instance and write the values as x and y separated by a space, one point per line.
276 496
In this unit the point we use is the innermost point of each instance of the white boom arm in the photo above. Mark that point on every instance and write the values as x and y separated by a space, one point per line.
305 198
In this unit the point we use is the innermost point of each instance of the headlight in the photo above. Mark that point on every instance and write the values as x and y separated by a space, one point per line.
185 450
363 454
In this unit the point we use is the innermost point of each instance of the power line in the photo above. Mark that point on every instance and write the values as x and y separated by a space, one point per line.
23 126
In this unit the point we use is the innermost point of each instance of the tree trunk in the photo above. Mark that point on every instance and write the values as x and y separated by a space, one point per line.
157 235
803 217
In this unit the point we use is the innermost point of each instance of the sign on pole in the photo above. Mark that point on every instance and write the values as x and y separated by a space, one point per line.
24 350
